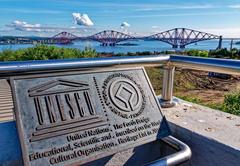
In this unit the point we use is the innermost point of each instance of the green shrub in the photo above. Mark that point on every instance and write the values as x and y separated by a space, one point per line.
232 103
45 52
224 53
200 53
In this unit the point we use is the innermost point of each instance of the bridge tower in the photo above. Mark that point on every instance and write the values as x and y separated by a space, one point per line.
175 42
110 37
180 37
64 38
231 45
220 43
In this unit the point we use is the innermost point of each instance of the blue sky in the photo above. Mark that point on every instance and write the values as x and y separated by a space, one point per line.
48 17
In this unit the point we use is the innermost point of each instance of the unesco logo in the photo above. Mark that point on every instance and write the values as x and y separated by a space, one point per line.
123 96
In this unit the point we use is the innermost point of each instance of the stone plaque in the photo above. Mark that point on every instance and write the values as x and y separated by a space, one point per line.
71 118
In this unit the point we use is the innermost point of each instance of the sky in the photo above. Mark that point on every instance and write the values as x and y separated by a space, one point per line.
137 17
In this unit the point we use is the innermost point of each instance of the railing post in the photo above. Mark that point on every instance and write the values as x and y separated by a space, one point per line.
167 87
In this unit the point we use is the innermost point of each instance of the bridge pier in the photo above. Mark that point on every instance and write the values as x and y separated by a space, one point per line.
231 45
107 44
220 43
103 44
182 46
174 46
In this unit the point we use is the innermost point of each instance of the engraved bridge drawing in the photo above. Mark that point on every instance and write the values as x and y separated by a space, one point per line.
63 106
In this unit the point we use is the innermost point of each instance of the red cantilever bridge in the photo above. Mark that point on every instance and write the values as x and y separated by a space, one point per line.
177 37
107 37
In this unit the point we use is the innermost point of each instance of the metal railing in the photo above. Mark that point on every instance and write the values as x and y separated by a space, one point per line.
169 63
20 67
228 66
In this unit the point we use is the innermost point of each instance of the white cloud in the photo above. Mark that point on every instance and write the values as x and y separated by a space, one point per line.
42 30
24 26
82 19
234 6
155 27
125 25
225 32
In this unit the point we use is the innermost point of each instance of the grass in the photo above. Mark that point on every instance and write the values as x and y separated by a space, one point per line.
155 75
196 100
232 103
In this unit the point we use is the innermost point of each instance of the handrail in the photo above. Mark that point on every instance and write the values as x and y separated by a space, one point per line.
227 66
41 65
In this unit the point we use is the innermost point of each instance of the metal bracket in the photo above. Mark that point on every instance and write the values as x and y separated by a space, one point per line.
184 153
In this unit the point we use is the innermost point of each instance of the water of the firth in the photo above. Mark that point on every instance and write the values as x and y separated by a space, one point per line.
139 47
